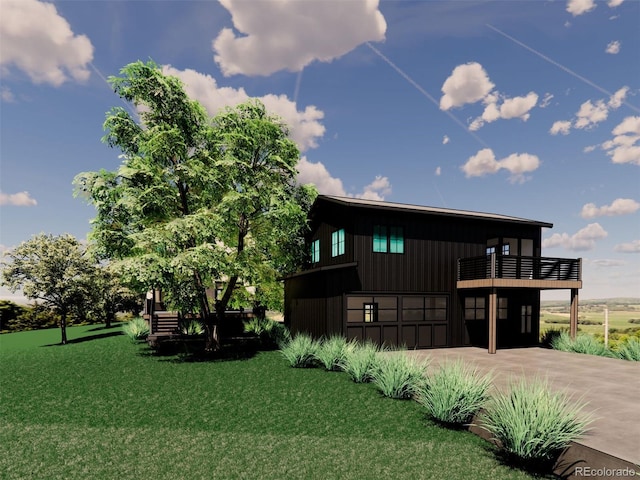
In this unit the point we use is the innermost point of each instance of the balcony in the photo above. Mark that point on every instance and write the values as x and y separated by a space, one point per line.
519 272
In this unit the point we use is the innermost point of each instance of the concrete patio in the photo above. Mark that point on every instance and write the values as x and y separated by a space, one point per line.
611 388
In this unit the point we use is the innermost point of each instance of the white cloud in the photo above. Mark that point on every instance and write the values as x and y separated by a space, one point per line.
305 125
561 126
290 34
613 47
7 95
468 83
546 100
630 247
584 239
589 148
484 163
20 199
579 7
445 140
438 172
620 206
607 263
614 3
517 107
38 41
591 114
376 190
624 148
318 175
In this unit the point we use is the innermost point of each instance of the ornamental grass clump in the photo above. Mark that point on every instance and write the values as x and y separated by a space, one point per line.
532 423
398 375
136 329
191 327
583 343
333 351
271 333
301 351
361 362
454 394
630 349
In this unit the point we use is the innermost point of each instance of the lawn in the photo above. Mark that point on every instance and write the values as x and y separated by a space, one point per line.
104 408
618 319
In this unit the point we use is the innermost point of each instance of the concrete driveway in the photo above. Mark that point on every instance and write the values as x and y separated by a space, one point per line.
611 388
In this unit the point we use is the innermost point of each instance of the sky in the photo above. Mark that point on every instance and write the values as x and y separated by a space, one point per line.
528 108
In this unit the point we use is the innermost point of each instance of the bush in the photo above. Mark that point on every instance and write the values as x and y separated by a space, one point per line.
583 343
634 320
191 326
399 376
629 349
333 351
548 336
361 362
136 329
272 334
301 351
454 394
533 424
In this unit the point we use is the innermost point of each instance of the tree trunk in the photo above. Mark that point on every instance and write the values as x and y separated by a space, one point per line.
63 328
107 320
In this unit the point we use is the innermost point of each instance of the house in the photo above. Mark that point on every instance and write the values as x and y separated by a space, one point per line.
424 277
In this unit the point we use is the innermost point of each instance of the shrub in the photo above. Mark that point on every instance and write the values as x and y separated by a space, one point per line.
548 336
399 376
136 329
271 333
191 326
630 349
533 424
332 352
361 362
455 393
634 320
583 343
301 351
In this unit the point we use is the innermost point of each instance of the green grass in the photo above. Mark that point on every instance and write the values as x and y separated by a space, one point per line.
103 408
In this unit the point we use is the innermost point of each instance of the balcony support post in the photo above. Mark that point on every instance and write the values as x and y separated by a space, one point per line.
493 315
573 315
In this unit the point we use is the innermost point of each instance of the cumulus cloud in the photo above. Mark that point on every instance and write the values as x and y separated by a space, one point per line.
589 148
561 126
607 263
7 95
613 47
290 34
376 190
517 164
580 7
445 140
623 147
614 3
630 247
468 83
39 42
20 199
517 107
620 206
438 172
318 175
584 239
591 113
305 125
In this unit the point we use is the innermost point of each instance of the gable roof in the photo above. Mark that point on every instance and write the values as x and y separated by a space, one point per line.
447 212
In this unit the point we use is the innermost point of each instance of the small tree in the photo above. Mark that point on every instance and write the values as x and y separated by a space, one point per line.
108 295
51 269
196 201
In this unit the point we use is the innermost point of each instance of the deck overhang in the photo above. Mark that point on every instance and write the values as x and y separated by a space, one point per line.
519 283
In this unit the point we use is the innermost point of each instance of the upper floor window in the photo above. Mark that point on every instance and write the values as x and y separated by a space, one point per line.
337 243
388 239
315 251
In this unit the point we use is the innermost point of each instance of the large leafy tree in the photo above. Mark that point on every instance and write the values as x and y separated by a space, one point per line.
196 200
50 269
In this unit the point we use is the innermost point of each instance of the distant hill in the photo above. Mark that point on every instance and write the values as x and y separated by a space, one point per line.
609 302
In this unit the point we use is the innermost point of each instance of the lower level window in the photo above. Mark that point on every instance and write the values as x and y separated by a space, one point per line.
370 312
525 319
474 308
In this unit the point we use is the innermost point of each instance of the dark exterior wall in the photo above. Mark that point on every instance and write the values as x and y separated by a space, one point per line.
315 302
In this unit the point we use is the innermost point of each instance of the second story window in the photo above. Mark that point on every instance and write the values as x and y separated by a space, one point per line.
388 239
315 251
337 243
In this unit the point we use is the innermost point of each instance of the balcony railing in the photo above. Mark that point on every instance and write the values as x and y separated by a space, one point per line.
520 268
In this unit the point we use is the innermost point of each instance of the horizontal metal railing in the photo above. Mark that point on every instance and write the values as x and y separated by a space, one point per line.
520 268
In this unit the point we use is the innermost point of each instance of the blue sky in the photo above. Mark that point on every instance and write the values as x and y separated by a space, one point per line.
525 108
